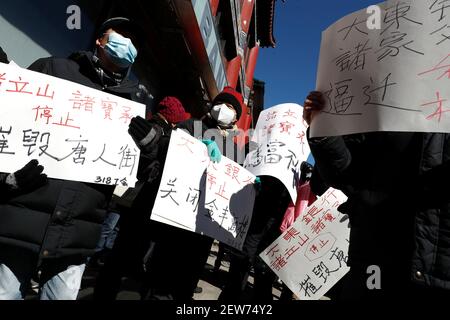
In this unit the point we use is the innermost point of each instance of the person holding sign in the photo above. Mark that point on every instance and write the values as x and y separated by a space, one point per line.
137 231
397 185
216 129
55 228
219 125
27 179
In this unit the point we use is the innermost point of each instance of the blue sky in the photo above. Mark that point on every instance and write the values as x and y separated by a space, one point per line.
289 69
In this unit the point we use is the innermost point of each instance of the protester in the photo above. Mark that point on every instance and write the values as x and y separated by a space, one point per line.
54 228
137 232
219 124
398 206
110 226
27 179
181 249
305 198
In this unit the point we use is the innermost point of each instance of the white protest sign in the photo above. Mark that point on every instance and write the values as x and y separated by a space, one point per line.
195 194
396 78
310 257
280 136
75 132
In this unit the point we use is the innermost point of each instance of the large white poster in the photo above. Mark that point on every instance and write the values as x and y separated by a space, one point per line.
75 132
395 78
195 194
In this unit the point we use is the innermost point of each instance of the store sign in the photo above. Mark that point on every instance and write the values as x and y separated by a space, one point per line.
205 21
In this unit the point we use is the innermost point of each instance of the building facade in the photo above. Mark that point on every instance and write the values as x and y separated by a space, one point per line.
192 48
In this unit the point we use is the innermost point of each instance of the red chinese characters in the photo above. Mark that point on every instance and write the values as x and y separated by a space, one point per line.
67 122
296 241
320 246
222 193
108 107
211 180
187 144
125 116
286 126
233 172
271 115
290 114
82 102
46 93
301 136
2 78
19 86
43 112
442 68
439 110
310 214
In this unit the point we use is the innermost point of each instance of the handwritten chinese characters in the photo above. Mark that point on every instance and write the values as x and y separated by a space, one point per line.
281 146
76 132
311 255
392 79
215 199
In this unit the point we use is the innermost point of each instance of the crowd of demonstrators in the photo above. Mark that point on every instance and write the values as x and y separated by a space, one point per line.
143 247
397 184
36 248
50 227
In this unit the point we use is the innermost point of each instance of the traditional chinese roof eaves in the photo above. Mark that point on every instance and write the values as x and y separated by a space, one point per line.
265 17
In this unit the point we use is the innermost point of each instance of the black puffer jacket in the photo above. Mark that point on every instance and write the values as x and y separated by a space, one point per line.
62 218
399 199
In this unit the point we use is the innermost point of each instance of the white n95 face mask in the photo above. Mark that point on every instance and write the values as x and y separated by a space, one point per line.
223 114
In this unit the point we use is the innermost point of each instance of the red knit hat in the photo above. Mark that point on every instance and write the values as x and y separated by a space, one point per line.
172 109
231 96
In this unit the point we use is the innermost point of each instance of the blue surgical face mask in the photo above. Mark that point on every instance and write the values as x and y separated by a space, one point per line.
120 50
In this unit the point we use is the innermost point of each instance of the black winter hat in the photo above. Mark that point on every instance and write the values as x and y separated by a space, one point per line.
114 22
125 24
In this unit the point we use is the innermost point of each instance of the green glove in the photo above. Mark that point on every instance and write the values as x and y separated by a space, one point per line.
213 150
257 183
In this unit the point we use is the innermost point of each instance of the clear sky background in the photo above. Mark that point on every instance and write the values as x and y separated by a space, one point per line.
289 69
